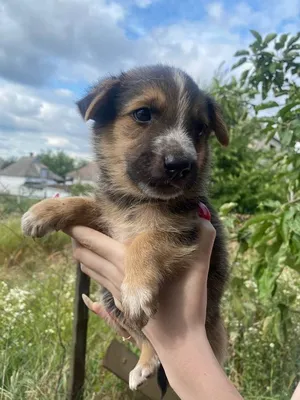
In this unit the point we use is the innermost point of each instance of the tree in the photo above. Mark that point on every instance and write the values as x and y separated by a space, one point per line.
263 302
7 162
237 171
60 163
269 180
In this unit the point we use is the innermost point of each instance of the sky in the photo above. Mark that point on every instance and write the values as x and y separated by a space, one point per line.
51 51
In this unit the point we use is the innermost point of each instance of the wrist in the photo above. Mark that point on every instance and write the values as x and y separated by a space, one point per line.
181 359
174 338
192 368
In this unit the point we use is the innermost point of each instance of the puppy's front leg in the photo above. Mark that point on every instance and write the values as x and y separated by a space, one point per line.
59 213
149 259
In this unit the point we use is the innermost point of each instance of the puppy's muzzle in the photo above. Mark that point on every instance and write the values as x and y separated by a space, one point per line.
177 167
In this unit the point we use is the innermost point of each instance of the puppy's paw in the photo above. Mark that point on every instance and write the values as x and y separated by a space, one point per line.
142 372
139 303
34 225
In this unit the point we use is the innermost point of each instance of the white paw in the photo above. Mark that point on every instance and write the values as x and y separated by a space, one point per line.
137 303
141 373
32 226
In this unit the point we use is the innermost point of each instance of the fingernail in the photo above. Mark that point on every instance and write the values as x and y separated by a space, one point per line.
203 211
87 301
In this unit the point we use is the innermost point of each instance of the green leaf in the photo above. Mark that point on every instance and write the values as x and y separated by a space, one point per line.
286 138
285 224
295 47
268 325
256 35
281 42
264 106
265 88
241 53
269 38
271 204
259 235
259 218
272 68
294 263
293 39
240 62
227 207
295 225
259 271
288 108
244 76
279 78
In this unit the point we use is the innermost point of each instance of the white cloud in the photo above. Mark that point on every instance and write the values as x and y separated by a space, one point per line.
215 10
63 92
42 39
80 40
265 20
196 47
143 3
31 122
57 141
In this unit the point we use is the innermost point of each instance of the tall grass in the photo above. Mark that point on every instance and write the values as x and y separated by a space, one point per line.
36 308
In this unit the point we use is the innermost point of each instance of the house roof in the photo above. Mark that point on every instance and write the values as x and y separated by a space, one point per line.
87 173
29 167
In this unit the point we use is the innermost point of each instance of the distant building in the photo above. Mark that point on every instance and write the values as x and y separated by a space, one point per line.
84 175
29 177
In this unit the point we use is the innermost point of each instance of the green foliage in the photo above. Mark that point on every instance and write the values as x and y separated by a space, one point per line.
6 162
36 336
80 189
264 183
60 163
238 171
36 304
14 204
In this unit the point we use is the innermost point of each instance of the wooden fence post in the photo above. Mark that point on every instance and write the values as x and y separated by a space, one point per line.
79 341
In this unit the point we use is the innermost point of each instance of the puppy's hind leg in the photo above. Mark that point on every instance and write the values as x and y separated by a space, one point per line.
146 367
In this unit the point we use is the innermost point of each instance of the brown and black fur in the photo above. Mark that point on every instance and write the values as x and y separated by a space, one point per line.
139 202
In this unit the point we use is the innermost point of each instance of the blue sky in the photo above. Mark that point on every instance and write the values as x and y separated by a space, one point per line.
50 51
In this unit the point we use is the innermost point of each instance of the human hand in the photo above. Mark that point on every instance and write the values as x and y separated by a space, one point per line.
182 302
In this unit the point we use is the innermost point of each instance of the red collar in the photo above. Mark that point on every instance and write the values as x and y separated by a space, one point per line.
203 211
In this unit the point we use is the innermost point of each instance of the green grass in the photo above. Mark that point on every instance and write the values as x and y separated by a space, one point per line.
36 308
36 303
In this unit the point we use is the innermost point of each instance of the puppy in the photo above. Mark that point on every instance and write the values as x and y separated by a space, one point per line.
151 141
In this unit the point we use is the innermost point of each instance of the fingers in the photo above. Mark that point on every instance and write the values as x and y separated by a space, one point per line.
103 245
103 281
98 264
98 309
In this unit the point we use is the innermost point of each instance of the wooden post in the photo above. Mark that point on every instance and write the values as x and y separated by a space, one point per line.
80 326
120 361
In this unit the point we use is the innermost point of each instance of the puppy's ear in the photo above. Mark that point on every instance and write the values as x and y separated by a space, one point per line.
100 98
217 122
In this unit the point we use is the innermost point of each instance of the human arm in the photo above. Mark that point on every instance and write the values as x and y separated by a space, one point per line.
177 331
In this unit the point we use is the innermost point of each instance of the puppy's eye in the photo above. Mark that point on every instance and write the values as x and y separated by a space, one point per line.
142 115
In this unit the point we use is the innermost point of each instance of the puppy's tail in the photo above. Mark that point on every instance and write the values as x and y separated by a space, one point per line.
162 381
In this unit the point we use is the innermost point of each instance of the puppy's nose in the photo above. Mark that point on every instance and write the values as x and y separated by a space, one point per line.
177 166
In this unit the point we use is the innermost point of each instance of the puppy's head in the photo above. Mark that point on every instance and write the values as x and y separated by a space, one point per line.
151 127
